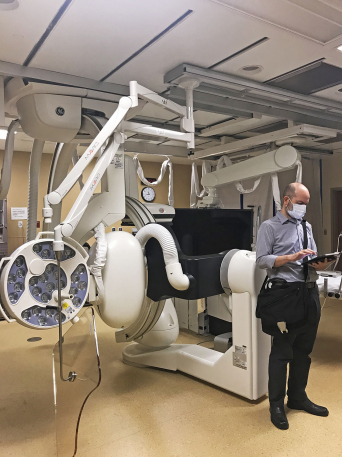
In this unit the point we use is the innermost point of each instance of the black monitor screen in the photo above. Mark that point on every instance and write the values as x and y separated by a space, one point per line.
210 231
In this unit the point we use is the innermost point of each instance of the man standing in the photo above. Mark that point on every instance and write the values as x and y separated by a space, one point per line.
280 250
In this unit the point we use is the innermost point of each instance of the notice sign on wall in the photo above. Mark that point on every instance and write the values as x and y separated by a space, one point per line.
18 214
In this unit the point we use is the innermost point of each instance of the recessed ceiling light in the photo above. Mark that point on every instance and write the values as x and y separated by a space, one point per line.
7 5
250 69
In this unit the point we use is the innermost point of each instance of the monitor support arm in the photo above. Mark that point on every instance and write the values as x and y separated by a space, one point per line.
284 158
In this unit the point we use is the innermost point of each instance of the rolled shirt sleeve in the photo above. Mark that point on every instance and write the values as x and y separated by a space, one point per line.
264 247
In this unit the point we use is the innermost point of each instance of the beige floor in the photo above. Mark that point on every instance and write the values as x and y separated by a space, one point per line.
149 413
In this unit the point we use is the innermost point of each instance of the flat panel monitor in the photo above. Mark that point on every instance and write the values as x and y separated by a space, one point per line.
211 231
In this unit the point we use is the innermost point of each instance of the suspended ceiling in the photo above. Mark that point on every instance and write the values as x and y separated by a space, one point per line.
121 40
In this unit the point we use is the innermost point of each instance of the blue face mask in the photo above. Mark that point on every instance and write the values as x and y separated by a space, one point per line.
297 212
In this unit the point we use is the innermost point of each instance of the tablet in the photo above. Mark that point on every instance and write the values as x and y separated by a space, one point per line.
321 258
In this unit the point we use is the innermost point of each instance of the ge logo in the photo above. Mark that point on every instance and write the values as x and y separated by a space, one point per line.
60 111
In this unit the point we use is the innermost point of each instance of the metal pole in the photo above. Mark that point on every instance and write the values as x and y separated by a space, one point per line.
72 375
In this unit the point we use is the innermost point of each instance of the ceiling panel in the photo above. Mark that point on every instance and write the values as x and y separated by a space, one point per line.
310 79
209 35
95 37
20 29
276 56
309 18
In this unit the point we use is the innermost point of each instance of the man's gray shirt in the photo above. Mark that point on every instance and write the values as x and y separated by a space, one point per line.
282 236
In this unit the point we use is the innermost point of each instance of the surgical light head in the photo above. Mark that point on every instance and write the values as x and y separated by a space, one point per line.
29 283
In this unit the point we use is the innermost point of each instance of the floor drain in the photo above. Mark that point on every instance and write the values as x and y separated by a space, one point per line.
34 339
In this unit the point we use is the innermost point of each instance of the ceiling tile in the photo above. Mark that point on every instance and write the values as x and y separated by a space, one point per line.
308 18
95 37
20 29
206 37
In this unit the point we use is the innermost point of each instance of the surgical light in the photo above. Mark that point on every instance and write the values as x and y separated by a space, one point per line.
11 278
41 320
36 311
46 297
18 286
76 301
26 314
13 297
50 286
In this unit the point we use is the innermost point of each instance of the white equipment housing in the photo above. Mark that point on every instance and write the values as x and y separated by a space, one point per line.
123 280
124 305
243 368
56 117
280 159
166 330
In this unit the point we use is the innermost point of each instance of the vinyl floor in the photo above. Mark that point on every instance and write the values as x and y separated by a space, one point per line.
142 412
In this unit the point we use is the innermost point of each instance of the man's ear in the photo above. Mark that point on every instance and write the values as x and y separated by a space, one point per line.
286 200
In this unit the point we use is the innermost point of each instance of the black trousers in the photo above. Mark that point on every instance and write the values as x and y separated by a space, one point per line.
293 350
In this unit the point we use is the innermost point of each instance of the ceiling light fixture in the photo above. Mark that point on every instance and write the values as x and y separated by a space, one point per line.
250 70
8 5
339 48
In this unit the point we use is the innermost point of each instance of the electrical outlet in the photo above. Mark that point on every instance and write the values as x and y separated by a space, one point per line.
20 224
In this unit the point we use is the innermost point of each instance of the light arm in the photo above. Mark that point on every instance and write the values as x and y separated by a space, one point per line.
146 94
67 227
149 130
187 122
57 195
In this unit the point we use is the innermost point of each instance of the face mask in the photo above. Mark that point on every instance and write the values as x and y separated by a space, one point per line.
297 212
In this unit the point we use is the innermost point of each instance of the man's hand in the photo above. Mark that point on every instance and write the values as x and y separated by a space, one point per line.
301 254
322 265
283 259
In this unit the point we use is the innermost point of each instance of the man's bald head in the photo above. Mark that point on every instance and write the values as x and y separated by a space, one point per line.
292 189
297 193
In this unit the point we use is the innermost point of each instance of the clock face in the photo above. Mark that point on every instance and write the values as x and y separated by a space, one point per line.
148 194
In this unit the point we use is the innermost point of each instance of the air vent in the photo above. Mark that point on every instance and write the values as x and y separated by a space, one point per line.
318 20
310 79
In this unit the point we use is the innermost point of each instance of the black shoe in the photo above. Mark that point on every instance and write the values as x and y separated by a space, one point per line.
278 417
309 407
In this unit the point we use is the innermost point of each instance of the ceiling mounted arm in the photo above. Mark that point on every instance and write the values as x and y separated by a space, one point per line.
284 158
